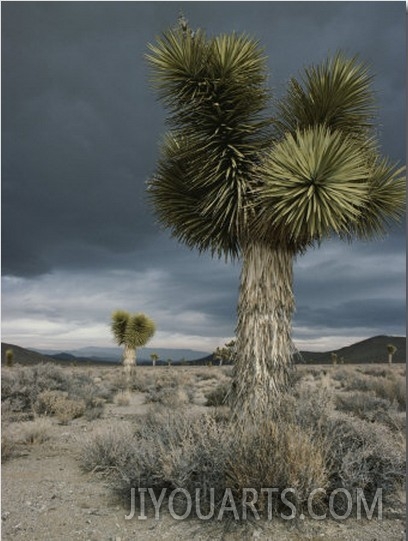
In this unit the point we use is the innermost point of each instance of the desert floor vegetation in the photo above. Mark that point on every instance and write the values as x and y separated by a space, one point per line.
92 438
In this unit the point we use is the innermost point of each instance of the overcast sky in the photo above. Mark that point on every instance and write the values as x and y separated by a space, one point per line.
80 135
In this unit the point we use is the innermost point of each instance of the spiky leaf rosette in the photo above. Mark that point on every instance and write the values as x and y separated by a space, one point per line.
336 93
120 319
386 200
315 184
216 94
139 330
199 215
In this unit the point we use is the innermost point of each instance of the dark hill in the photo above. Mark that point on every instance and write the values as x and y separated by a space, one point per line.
28 357
372 350
24 356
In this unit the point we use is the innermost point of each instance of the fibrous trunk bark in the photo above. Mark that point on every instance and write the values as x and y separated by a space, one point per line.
129 362
264 348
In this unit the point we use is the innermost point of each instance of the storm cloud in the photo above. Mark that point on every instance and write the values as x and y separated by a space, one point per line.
80 137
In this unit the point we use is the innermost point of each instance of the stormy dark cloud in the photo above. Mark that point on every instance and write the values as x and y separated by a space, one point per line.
80 135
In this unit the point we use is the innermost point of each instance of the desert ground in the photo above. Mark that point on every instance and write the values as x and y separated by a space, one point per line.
71 436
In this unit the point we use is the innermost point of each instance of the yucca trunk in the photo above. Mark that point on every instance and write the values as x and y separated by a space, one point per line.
264 347
129 361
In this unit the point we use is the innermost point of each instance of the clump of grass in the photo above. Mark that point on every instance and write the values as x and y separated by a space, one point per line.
392 388
47 402
8 445
109 447
170 397
36 431
203 374
279 454
362 404
67 410
122 398
57 403
94 408
219 396
364 455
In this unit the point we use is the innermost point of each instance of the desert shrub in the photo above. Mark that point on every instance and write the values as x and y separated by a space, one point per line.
109 447
48 389
144 380
348 376
22 386
8 445
375 371
57 403
304 444
68 409
47 402
122 398
36 431
369 407
106 392
219 395
93 399
174 451
392 388
190 452
208 373
94 408
364 455
310 407
171 397
280 454
362 404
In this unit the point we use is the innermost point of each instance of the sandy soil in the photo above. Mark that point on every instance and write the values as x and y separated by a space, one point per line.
46 497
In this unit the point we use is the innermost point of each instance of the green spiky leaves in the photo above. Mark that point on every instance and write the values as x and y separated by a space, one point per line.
222 179
336 93
315 184
132 330
318 183
216 94
385 204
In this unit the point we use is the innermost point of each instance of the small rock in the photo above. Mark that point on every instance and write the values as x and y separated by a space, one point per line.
5 515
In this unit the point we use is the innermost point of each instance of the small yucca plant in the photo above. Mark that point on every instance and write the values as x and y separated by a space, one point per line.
391 350
9 358
131 331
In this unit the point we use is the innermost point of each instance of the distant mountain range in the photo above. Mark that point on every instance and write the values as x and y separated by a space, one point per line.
115 354
372 350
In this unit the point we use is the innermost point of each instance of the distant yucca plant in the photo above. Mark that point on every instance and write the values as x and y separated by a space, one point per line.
131 331
391 349
9 358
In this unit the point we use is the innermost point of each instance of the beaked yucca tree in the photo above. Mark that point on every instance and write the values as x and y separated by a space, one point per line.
391 349
242 184
131 331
